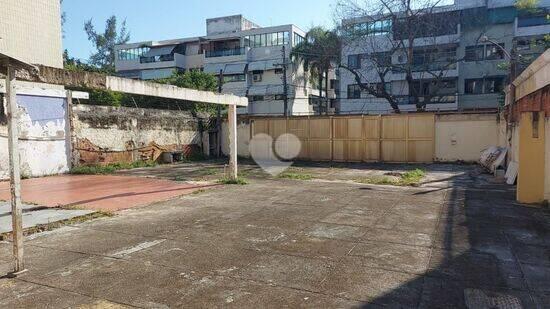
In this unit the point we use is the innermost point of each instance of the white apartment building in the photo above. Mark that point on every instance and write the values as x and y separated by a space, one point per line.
474 80
30 30
249 57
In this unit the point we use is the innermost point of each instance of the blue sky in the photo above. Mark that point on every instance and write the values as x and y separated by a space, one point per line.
169 19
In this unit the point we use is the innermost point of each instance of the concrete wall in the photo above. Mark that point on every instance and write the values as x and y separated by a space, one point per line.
464 136
43 140
108 134
31 31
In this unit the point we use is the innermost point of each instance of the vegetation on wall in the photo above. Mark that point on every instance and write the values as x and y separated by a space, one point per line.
193 80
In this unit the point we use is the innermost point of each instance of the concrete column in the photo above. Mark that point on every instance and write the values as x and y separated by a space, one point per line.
232 126
15 173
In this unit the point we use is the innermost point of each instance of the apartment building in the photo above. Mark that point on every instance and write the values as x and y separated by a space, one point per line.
249 57
472 73
30 30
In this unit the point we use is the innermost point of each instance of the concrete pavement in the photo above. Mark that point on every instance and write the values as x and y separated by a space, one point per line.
284 243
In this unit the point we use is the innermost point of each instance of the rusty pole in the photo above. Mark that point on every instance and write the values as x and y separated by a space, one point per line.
15 173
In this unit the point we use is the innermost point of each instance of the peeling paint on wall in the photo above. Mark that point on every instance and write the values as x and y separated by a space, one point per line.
118 134
43 142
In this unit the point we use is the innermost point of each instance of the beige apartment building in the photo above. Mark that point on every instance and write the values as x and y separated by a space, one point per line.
30 30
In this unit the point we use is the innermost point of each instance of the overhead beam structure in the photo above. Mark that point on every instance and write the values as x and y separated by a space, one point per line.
16 69
99 81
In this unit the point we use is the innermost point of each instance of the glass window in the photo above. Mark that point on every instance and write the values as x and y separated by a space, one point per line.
354 61
494 85
286 37
354 91
493 52
474 53
530 21
274 40
257 41
269 39
473 86
234 78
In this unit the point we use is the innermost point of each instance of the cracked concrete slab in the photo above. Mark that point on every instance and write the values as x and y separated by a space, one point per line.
283 243
34 215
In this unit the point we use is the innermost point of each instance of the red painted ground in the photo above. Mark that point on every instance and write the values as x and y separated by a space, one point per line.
98 192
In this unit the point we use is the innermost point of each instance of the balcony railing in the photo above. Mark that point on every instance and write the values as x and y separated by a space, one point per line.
225 52
154 59
437 99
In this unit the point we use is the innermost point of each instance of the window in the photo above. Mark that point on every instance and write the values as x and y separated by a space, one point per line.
493 52
279 71
484 85
380 88
494 85
382 59
354 61
354 92
279 97
484 52
427 25
234 78
378 27
298 39
431 59
531 19
255 98
132 53
267 39
474 53
473 86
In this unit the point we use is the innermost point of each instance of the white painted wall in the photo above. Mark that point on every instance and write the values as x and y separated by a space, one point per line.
463 136
43 142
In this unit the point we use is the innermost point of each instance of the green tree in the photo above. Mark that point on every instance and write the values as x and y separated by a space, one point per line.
195 80
104 43
320 52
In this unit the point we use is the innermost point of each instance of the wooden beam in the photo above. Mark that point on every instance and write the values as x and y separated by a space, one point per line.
15 173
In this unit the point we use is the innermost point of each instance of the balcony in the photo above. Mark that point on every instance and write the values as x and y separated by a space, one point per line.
154 59
225 52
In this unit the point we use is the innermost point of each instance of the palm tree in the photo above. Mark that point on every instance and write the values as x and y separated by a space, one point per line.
320 52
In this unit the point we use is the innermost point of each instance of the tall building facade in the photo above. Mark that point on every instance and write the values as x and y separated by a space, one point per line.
462 48
250 58
30 30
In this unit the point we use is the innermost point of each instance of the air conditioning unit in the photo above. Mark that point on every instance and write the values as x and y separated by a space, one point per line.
257 78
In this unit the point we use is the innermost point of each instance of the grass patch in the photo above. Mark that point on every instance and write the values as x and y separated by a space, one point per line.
413 177
238 181
295 176
410 178
110 168
211 171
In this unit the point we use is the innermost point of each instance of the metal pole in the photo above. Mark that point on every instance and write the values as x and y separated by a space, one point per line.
232 124
15 173
285 85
